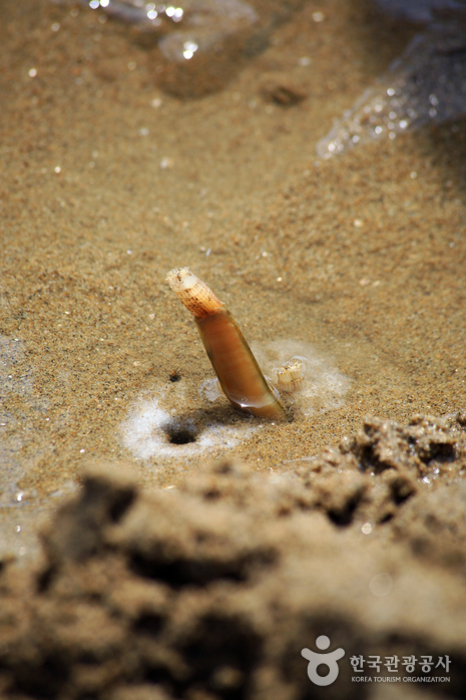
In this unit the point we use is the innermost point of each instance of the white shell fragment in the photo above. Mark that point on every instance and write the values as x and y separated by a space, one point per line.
290 376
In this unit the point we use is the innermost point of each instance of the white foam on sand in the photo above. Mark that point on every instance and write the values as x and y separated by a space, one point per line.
155 427
324 385
151 429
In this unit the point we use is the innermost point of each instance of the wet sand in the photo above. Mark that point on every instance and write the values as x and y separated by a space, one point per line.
108 182
354 256
218 589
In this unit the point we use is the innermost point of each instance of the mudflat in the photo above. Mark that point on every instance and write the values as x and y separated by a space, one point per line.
357 263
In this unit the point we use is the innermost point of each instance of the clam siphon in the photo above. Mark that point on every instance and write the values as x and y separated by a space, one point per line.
237 369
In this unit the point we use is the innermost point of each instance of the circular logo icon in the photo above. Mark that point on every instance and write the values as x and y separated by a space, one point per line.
330 660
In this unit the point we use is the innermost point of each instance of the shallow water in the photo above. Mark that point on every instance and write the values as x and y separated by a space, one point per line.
108 182
423 85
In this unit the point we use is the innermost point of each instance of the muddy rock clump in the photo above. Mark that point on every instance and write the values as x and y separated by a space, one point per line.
213 589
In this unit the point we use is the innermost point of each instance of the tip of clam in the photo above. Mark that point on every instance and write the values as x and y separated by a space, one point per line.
181 278
198 298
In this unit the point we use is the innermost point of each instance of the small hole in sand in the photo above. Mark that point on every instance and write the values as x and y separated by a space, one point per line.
180 432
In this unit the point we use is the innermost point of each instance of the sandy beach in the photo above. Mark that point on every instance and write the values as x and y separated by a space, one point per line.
357 262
